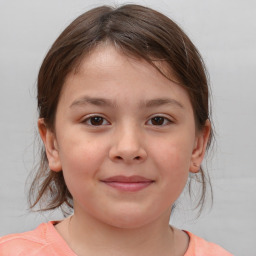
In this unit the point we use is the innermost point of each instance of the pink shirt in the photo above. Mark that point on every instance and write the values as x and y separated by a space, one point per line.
45 241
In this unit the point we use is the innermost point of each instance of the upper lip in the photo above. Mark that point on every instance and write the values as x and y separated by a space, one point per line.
127 179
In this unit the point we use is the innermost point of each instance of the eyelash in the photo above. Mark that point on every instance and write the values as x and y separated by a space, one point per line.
166 121
89 119
103 121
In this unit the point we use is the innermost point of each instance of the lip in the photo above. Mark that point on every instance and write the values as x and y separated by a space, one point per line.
128 183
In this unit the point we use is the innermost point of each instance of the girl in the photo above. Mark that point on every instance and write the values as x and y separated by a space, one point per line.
124 118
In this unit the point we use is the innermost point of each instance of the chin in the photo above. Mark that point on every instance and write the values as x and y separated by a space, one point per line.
129 223
129 219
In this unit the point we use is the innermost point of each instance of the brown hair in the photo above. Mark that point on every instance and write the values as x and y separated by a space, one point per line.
139 32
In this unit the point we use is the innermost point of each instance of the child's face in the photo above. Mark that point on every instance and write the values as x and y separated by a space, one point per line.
125 139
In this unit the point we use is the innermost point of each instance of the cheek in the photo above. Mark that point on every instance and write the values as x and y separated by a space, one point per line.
81 168
82 158
172 161
174 153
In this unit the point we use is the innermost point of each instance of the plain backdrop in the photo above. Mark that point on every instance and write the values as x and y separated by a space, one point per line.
225 33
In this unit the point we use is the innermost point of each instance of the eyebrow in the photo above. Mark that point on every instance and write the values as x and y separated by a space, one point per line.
110 103
93 101
163 101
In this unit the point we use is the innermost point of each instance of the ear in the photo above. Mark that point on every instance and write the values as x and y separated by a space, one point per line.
51 147
200 147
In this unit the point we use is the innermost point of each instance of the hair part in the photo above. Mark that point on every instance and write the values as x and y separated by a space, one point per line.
138 32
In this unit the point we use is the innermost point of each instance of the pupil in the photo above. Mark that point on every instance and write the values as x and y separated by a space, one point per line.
96 120
158 120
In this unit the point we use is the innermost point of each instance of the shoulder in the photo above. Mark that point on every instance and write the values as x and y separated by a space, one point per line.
201 247
28 243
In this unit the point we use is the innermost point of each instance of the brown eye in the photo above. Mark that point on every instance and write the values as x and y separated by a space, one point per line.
96 121
159 121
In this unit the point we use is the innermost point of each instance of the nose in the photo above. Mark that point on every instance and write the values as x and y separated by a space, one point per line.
128 147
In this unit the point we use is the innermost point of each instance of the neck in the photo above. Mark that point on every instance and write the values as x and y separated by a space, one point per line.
88 236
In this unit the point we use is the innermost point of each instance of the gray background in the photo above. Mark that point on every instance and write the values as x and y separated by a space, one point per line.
225 33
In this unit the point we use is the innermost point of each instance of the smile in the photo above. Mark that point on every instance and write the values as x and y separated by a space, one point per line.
129 184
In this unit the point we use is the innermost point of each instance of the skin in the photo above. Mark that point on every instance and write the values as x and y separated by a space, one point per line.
128 97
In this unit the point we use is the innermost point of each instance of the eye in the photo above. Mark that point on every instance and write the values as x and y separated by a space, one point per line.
96 121
159 121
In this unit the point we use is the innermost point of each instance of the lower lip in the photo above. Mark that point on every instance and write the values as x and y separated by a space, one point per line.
129 186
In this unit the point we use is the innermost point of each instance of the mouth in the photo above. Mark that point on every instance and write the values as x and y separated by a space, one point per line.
129 184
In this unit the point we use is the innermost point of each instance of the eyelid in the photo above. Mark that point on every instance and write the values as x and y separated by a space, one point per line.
88 117
168 119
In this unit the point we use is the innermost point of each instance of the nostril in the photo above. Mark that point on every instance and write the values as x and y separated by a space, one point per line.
135 158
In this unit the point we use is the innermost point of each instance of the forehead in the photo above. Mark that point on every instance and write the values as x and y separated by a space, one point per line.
107 68
101 54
